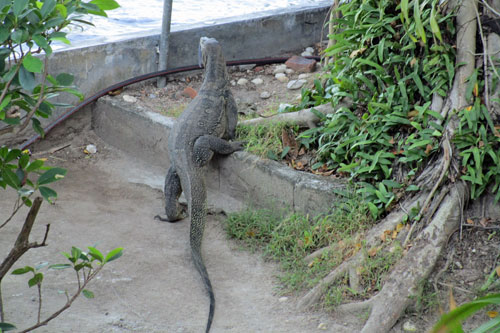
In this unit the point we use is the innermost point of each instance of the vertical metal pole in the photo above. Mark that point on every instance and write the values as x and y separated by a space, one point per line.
164 38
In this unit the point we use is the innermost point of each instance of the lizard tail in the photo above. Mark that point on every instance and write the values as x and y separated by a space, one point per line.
197 194
200 266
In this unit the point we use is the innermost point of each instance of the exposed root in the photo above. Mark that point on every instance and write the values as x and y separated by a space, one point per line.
394 297
303 118
356 306
372 239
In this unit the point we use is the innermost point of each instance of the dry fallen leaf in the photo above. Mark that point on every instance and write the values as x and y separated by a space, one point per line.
413 62
399 227
428 149
498 270
413 113
394 234
492 314
392 141
470 221
373 251
475 91
357 52
453 304
484 221
383 237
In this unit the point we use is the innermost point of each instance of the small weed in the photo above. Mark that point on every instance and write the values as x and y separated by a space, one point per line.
289 239
425 299
264 140
173 112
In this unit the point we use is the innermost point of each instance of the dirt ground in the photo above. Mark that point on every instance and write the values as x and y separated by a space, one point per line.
108 199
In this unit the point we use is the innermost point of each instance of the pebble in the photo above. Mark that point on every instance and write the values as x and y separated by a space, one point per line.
233 83
309 49
322 326
283 107
295 84
280 69
408 326
459 265
244 68
289 71
91 149
242 82
283 299
306 54
265 95
304 76
257 81
129 99
281 77
152 96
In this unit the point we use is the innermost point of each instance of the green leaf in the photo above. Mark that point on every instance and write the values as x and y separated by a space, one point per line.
87 293
35 280
19 6
404 9
10 178
373 210
26 79
5 102
24 270
114 254
105 4
32 64
4 34
7 327
48 7
60 266
96 254
434 25
65 79
47 193
35 165
51 175
418 21
62 10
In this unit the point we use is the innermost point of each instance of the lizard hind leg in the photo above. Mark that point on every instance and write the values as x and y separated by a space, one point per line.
174 210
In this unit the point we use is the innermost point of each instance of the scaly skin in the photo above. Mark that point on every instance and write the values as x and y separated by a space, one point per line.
202 130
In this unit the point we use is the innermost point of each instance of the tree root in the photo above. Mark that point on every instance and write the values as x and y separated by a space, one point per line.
394 297
372 239
303 118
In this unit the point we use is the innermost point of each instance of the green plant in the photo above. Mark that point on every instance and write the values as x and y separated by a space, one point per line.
289 239
265 140
86 265
451 322
390 67
27 90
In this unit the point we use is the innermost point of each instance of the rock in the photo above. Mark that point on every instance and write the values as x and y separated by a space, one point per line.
283 107
279 69
257 81
259 69
189 92
242 82
310 50
90 149
301 64
408 326
244 68
322 326
295 84
289 71
233 83
265 95
129 99
152 96
304 76
306 54
283 299
281 77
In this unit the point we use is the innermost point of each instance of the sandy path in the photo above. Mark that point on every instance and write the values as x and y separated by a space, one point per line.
154 286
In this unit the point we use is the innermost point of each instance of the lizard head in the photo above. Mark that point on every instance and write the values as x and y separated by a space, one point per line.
208 46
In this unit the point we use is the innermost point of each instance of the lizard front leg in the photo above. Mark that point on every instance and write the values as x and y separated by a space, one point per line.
206 145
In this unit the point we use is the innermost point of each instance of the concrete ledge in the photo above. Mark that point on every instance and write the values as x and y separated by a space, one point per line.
241 176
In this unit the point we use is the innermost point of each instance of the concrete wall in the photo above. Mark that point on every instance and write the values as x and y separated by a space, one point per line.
97 67
240 176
